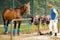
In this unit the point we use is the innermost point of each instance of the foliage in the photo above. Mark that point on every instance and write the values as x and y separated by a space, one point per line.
37 7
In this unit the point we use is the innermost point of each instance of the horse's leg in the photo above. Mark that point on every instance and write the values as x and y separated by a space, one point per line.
18 31
7 22
14 30
7 26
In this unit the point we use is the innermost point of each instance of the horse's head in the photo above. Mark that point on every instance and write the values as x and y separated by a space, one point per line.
27 7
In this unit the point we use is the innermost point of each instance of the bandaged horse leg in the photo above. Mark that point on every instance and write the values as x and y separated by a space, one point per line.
18 31
6 26
14 30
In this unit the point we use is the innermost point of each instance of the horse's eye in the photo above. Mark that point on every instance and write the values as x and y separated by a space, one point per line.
26 7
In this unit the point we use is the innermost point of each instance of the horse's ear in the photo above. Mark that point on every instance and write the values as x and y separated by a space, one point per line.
27 3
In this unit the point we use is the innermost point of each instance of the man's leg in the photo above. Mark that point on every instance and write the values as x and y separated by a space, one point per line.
55 27
50 27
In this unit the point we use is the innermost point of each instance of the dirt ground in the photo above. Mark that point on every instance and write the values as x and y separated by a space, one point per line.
32 36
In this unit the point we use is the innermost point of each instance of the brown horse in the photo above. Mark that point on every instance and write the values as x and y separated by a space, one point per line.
10 14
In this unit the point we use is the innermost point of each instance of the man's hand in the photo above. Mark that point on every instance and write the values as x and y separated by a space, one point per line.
54 20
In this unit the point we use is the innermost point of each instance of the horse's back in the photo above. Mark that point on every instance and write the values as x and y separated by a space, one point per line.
9 14
5 12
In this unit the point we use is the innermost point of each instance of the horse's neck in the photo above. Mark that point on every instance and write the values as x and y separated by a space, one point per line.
22 10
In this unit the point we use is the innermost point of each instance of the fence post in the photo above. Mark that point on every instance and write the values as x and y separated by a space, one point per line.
11 30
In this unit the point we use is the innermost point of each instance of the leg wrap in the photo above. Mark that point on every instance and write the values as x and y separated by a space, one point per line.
6 28
18 29
14 31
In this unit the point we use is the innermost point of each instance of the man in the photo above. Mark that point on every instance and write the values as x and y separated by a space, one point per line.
53 20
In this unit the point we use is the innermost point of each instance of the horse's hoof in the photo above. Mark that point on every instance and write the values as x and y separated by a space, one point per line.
5 32
14 34
18 33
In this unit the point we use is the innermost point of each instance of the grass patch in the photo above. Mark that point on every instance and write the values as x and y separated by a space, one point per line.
1 38
24 28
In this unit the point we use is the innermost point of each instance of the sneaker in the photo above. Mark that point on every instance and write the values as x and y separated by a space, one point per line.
55 34
50 33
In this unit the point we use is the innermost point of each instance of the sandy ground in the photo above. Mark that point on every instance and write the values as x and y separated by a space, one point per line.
33 36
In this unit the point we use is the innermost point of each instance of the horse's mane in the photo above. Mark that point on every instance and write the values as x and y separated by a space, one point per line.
20 7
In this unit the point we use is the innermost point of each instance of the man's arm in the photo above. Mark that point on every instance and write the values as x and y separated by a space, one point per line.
55 12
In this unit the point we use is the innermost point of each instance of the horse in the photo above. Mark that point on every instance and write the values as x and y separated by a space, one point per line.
9 14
